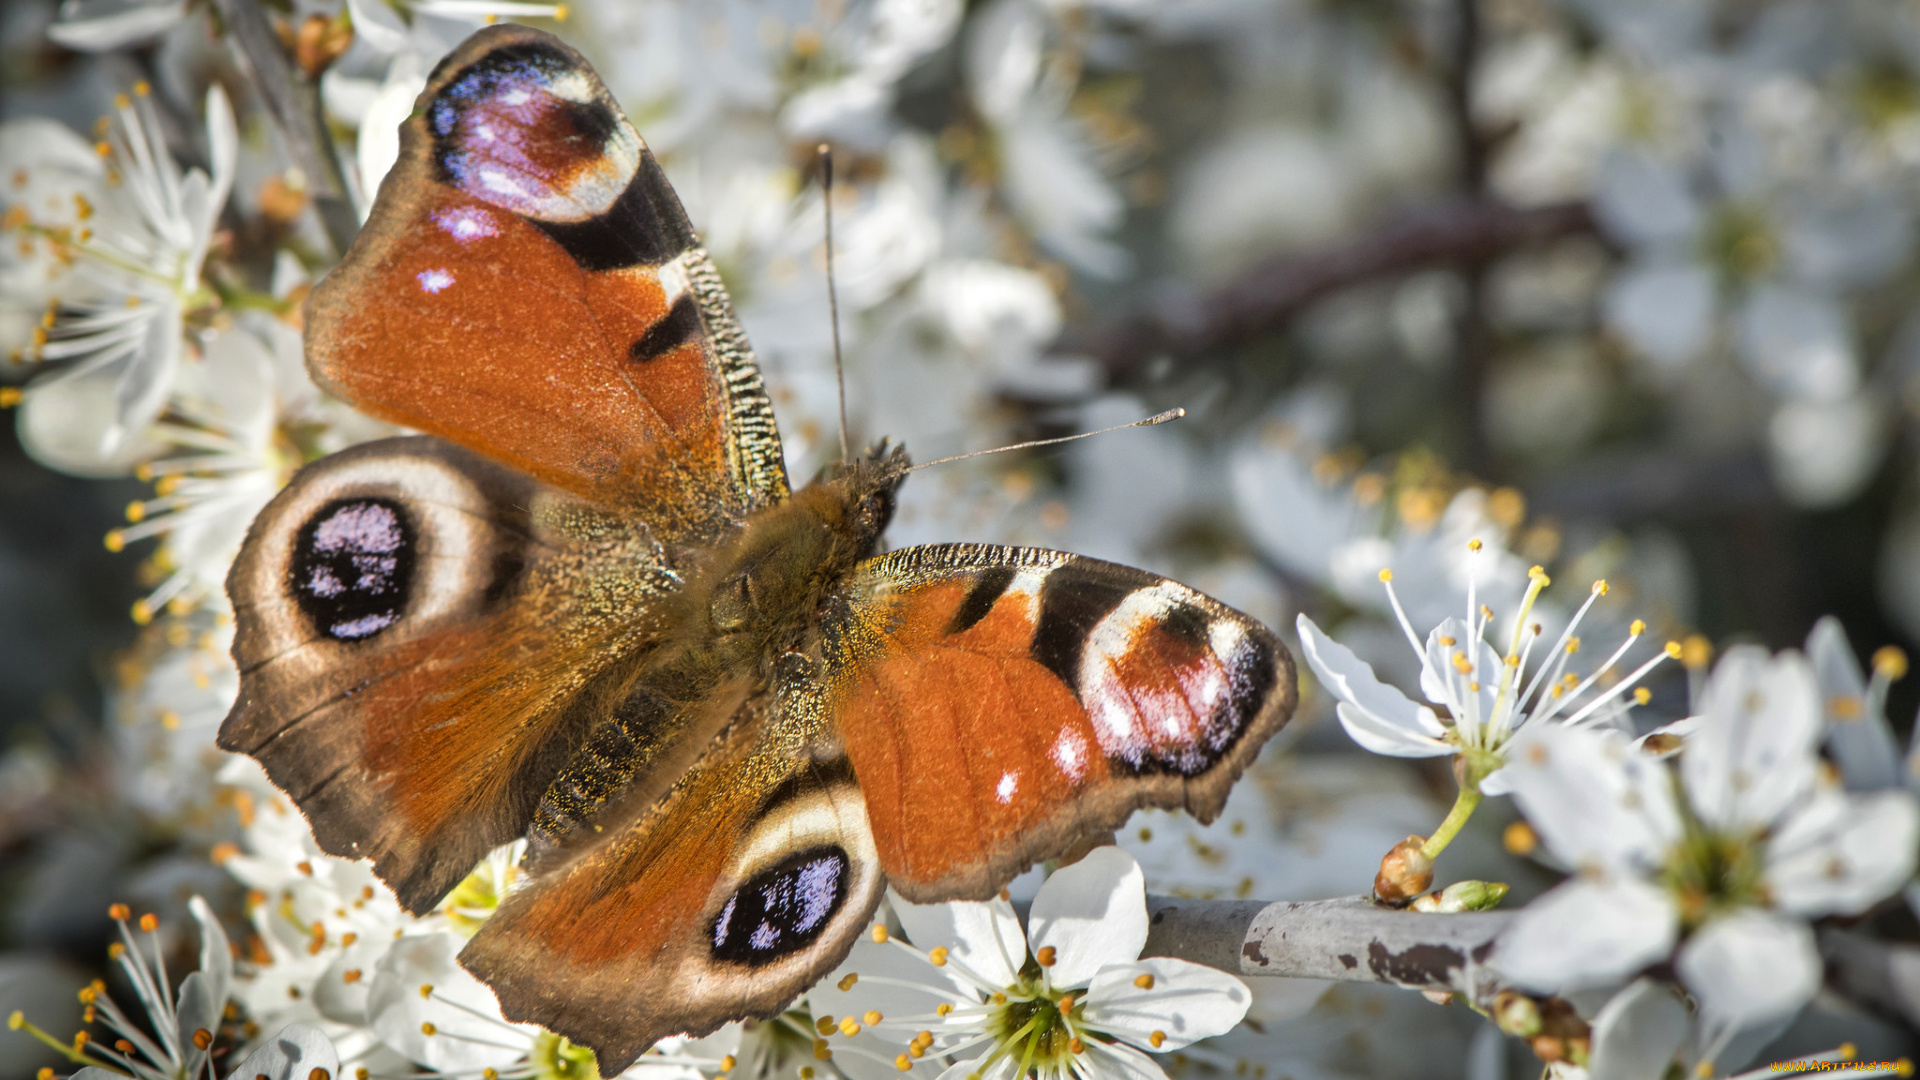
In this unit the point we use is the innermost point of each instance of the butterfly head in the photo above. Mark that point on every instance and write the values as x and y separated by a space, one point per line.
867 483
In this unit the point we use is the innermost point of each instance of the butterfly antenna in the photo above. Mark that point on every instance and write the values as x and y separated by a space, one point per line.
833 295
1157 418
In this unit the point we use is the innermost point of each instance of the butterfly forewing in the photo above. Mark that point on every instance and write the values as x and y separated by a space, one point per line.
528 286
999 703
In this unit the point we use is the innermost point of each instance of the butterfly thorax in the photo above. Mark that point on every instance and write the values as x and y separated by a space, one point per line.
754 602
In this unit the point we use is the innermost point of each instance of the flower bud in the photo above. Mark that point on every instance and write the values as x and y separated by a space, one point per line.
1516 1014
1462 896
1405 872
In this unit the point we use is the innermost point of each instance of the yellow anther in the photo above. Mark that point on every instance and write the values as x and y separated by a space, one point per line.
80 1039
925 1038
351 975
1513 661
846 982
937 956
10 396
823 1025
142 89
560 12
1474 686
871 1017
121 101
149 922
1848 1051
849 1027
142 612
1046 956
16 1020
1075 1045
136 512
1601 588
1704 1070
115 950
1674 650
202 1038
943 1008
1637 627
1157 1039
1486 612
1144 982
879 934
427 1028
1065 1004
903 1063
821 1052
1448 642
1696 651
727 1063
119 912
1642 695
1890 661
426 990
1460 663
1520 839
1386 574
999 998
1538 573
1474 544
806 1072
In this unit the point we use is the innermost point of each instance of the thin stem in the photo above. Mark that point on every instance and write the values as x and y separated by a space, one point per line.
1463 807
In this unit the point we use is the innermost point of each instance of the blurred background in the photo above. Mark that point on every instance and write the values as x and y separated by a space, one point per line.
1624 288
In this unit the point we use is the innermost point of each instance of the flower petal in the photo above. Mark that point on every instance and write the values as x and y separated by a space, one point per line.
1752 756
107 26
1585 934
1840 854
294 1054
1118 1061
985 938
1749 968
1378 717
1861 741
1091 914
884 980
1593 798
216 956
1664 310
1637 1032
1182 1001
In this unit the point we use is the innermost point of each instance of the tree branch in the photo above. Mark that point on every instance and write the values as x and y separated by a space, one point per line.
1352 939
294 102
1271 294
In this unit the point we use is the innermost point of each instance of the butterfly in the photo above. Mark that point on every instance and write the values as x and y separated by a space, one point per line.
585 607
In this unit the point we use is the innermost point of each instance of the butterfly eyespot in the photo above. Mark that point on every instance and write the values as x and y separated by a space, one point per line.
782 909
352 568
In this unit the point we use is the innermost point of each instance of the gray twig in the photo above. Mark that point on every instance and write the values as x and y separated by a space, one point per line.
1173 322
294 103
1352 939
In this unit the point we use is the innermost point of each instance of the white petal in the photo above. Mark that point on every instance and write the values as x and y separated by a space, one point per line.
1593 798
881 971
1637 1033
985 938
377 25
1840 854
379 145
1752 756
1799 343
1750 967
1584 934
1822 452
63 423
1091 914
1664 309
293 1054
1119 1061
1641 200
1377 716
1861 742
1187 1002
223 153
216 957
101 27
470 1033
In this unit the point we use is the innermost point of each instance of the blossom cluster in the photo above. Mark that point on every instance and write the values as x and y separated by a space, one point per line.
1463 299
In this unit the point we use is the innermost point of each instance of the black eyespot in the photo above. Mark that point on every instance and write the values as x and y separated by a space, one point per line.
352 567
783 909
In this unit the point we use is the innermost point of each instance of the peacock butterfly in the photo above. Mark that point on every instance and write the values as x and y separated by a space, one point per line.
585 608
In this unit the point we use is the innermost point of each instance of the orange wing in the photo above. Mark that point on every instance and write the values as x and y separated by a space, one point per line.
529 287
998 704
740 889
419 652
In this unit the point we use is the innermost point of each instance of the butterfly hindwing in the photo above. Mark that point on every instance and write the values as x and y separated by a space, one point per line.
420 648
998 704
528 286
743 886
